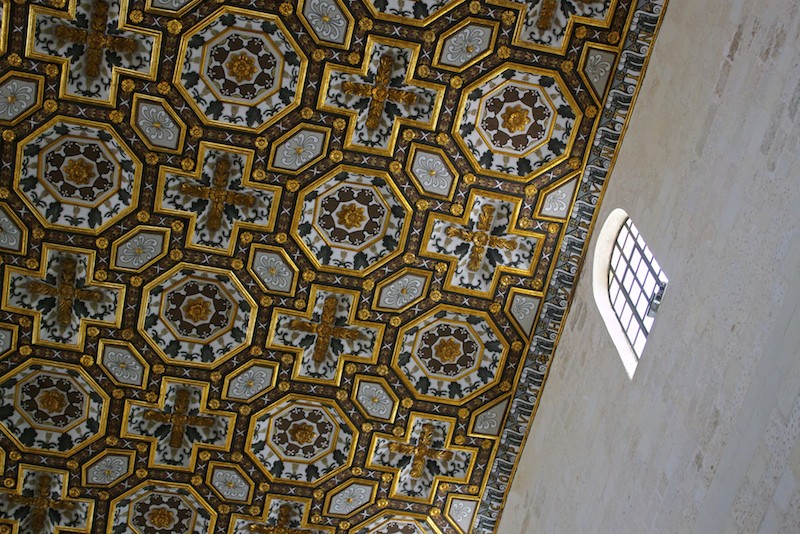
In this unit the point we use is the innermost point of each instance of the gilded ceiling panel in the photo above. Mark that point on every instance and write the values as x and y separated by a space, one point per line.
292 267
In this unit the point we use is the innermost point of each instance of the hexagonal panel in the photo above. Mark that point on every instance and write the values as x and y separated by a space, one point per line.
161 506
108 468
598 70
8 338
350 498
299 149
350 221
76 175
197 316
13 233
488 419
391 522
139 248
273 269
450 355
157 124
402 290
516 121
20 95
557 202
250 381
418 13
375 398
462 512
170 7
230 482
57 409
431 171
327 21
123 363
251 69
524 309
301 440
466 44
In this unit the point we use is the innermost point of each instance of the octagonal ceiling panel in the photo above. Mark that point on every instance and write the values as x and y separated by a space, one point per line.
241 69
297 266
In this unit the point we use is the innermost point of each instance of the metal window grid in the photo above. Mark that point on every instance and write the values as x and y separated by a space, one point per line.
635 285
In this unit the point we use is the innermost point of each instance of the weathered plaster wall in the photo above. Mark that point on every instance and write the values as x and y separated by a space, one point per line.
706 437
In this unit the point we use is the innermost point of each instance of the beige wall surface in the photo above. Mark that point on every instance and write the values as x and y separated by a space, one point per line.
706 436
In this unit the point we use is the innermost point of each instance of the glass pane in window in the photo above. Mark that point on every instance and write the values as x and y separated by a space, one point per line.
634 277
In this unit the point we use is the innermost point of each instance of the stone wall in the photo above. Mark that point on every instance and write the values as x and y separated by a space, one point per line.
706 436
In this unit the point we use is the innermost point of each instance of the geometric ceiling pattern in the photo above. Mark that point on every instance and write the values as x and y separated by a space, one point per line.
292 266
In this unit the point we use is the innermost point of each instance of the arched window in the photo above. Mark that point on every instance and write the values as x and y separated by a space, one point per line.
628 286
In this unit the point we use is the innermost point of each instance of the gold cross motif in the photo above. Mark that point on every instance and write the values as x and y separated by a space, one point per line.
179 418
40 503
548 11
422 451
480 239
380 92
65 291
218 194
281 526
96 38
325 329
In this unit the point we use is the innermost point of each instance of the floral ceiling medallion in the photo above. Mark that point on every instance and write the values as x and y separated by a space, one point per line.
295 266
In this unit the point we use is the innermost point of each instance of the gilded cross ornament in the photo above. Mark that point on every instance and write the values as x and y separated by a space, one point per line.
219 196
218 193
96 40
381 96
65 291
40 503
379 93
548 11
183 424
326 329
327 336
422 451
480 238
179 418
425 458
483 243
93 46
281 526
62 296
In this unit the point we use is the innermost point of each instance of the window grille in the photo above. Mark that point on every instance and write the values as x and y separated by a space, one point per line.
636 285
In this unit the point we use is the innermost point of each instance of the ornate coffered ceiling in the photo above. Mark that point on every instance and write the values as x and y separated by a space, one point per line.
292 267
